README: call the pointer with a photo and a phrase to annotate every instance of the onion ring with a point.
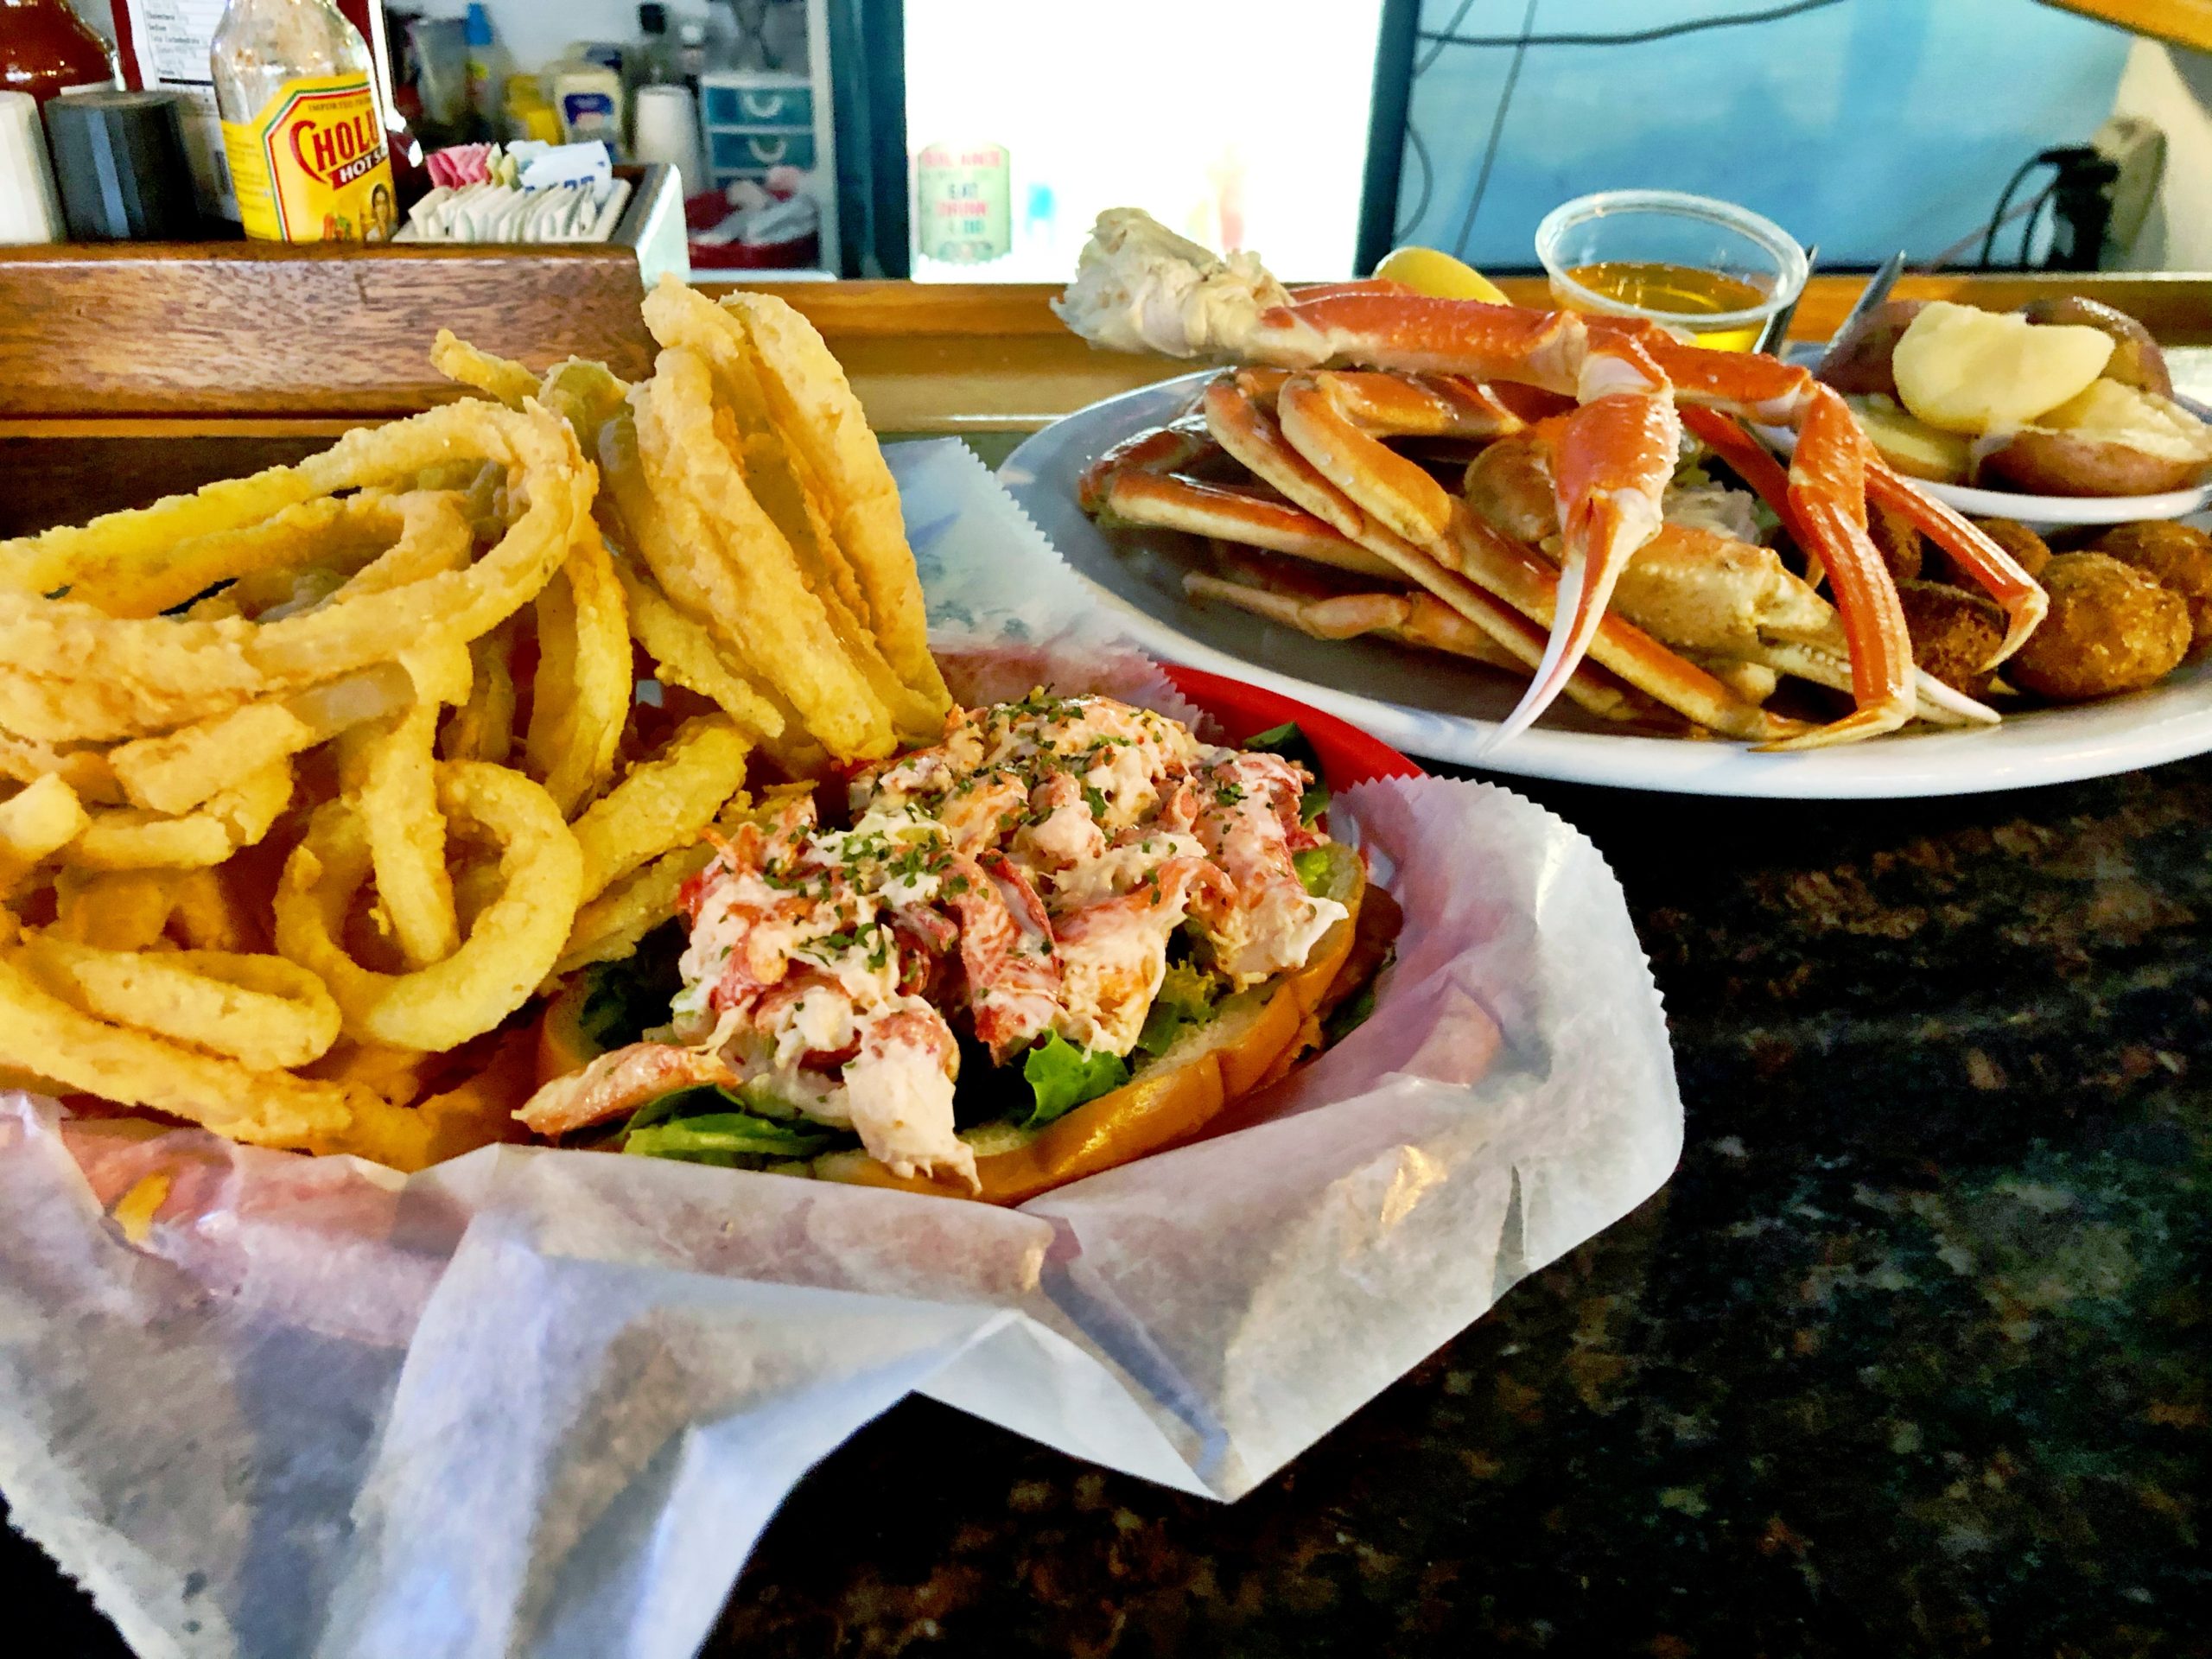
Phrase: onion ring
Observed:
(262, 1011)
(815, 467)
(684, 654)
(101, 563)
(131, 838)
(176, 773)
(116, 909)
(580, 701)
(500, 378)
(724, 564)
(42, 819)
(608, 928)
(663, 802)
(506, 953)
(484, 727)
(86, 770)
(272, 1108)
(158, 673)
(398, 800)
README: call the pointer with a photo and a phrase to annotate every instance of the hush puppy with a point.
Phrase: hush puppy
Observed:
(2177, 556)
(2111, 629)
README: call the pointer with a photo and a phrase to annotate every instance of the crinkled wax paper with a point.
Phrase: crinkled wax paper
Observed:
(542, 1402)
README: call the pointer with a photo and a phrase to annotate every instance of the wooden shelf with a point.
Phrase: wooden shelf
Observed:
(129, 371)
(2183, 22)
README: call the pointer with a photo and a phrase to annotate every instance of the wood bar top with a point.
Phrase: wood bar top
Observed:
(102, 331)
(127, 372)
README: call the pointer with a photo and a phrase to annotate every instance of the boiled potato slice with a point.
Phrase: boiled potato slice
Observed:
(1912, 447)
(2109, 440)
(1977, 372)
(2135, 360)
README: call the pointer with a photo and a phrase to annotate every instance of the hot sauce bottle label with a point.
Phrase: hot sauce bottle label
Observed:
(312, 167)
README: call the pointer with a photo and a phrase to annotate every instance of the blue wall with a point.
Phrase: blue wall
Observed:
(1867, 126)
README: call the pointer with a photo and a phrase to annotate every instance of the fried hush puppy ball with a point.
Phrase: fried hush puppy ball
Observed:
(2177, 556)
(1953, 633)
(2111, 629)
(1896, 539)
(2028, 550)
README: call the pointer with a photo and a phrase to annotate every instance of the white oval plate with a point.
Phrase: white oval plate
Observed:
(2038, 512)
(1447, 710)
(2048, 512)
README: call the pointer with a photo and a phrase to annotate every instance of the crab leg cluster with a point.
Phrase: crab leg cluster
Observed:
(1630, 612)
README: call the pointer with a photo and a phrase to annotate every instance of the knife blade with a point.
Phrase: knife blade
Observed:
(1873, 294)
(1775, 330)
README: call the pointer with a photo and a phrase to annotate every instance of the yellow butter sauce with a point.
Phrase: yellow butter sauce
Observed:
(1679, 295)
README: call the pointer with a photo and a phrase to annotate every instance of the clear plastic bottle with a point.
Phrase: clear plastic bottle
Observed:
(489, 66)
(301, 131)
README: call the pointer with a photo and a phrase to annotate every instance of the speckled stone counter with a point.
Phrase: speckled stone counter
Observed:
(1910, 1357)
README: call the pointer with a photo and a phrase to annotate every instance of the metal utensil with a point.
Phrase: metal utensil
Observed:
(1775, 329)
(1873, 294)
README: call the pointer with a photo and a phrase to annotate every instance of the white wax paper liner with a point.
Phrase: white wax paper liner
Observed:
(542, 1402)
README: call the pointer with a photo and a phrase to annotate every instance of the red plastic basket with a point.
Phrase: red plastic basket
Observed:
(1347, 755)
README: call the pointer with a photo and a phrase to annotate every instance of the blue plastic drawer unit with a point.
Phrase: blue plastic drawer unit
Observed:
(748, 150)
(760, 107)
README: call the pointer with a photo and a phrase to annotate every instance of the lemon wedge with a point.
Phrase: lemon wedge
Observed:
(1438, 276)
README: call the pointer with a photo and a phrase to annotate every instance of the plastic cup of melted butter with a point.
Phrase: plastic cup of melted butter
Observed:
(1703, 268)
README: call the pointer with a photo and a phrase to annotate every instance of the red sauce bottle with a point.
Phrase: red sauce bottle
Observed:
(46, 48)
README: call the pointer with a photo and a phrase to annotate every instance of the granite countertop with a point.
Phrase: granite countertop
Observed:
(1910, 1357)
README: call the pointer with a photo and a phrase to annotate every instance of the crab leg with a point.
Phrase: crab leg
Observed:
(1251, 433)
(1828, 489)
(1169, 501)
(1614, 458)
(1999, 573)
(1346, 616)
(1420, 515)
(1163, 449)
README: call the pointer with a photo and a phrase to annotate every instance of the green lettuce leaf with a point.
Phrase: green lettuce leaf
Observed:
(1063, 1076)
(708, 1125)
(1312, 867)
(1293, 744)
(1186, 998)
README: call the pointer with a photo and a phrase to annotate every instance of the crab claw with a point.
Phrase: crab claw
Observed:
(1614, 457)
(1828, 476)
